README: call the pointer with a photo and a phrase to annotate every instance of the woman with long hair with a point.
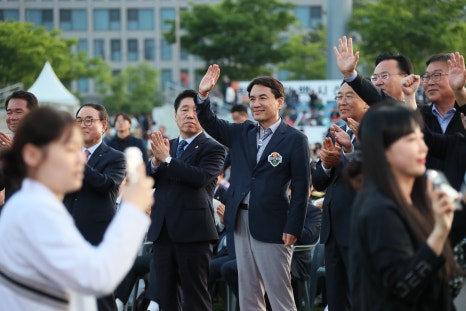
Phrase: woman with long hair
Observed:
(400, 258)
(45, 263)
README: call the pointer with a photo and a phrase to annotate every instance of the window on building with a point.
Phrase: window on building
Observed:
(83, 85)
(73, 20)
(99, 48)
(166, 50)
(115, 50)
(40, 18)
(82, 45)
(107, 19)
(183, 54)
(9, 15)
(132, 50)
(167, 16)
(309, 16)
(140, 19)
(149, 49)
(167, 78)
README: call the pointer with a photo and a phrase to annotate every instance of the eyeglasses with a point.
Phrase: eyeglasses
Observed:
(87, 121)
(383, 76)
(348, 98)
(435, 77)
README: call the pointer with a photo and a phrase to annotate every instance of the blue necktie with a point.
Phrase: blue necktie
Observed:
(180, 149)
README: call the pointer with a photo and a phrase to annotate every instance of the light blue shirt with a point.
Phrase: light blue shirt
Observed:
(443, 120)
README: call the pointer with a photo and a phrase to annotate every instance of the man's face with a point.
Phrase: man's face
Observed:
(350, 105)
(92, 133)
(390, 83)
(239, 117)
(17, 109)
(186, 118)
(438, 91)
(264, 106)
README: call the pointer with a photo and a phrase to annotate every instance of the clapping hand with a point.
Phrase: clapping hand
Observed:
(160, 147)
(330, 154)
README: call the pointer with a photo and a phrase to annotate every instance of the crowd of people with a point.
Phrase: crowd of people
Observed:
(233, 200)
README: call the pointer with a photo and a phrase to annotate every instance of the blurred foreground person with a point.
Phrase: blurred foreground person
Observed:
(45, 263)
(400, 257)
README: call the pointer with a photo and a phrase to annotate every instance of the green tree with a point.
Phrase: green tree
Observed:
(133, 90)
(242, 36)
(306, 58)
(24, 49)
(414, 28)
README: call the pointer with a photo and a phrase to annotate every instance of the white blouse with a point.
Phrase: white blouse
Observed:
(41, 248)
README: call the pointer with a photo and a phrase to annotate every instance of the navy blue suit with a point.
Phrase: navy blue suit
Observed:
(93, 206)
(271, 212)
(335, 230)
(183, 227)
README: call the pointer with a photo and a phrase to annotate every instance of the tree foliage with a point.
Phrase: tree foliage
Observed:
(133, 90)
(24, 49)
(414, 28)
(306, 55)
(242, 36)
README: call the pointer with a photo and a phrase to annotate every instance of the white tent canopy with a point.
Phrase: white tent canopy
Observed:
(51, 92)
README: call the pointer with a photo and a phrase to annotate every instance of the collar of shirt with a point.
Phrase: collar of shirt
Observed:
(273, 127)
(448, 115)
(188, 140)
(93, 148)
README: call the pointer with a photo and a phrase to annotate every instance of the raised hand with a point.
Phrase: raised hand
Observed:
(346, 60)
(209, 80)
(409, 86)
(456, 71)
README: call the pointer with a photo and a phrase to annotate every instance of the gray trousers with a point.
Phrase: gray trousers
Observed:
(262, 267)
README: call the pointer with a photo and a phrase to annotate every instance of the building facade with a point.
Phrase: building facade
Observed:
(127, 32)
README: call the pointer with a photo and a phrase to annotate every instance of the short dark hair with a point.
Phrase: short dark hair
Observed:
(275, 86)
(404, 64)
(239, 108)
(183, 95)
(40, 127)
(31, 99)
(442, 57)
(124, 116)
(103, 115)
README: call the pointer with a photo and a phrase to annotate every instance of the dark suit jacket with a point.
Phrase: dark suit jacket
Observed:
(339, 196)
(93, 207)
(130, 141)
(184, 192)
(446, 163)
(271, 212)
